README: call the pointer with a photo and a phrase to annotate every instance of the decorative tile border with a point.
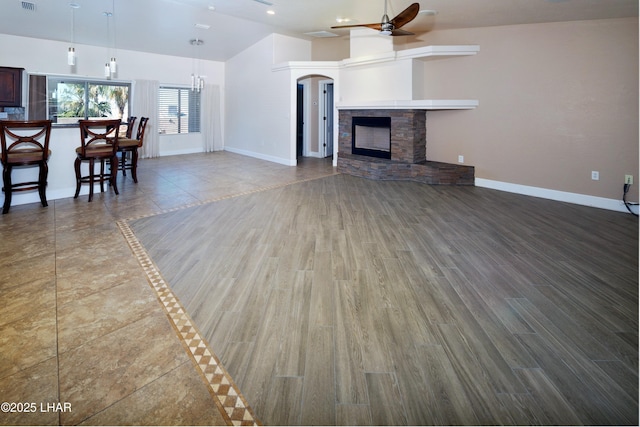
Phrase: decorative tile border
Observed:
(225, 392)
(227, 395)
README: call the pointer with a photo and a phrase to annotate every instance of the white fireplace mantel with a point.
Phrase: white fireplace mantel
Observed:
(424, 53)
(420, 104)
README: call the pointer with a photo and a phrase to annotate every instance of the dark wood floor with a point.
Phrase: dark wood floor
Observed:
(341, 300)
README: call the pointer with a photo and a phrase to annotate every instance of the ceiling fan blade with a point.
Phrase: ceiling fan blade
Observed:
(399, 32)
(373, 26)
(406, 16)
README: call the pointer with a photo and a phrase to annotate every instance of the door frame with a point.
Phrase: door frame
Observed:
(305, 83)
(325, 126)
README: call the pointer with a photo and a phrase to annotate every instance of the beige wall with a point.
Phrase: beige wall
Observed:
(330, 48)
(557, 101)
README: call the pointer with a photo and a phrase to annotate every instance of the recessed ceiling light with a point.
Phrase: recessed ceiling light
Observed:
(343, 20)
(271, 12)
(202, 26)
(429, 12)
(74, 5)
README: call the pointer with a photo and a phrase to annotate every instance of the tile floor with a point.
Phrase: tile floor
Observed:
(90, 333)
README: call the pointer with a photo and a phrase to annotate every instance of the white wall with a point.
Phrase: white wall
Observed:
(387, 81)
(260, 102)
(45, 56)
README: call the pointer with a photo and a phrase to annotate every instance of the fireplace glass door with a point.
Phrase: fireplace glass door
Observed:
(371, 136)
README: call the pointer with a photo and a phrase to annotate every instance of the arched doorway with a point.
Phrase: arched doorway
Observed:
(315, 116)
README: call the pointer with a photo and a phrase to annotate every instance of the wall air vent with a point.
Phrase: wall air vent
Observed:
(27, 5)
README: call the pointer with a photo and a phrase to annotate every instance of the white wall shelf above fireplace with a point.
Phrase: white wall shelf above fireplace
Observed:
(438, 52)
(419, 104)
(423, 53)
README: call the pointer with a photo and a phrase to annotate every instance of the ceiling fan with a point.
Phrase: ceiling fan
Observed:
(391, 27)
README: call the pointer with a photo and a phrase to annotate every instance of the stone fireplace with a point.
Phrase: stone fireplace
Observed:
(406, 159)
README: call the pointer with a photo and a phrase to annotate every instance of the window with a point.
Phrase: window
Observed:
(178, 110)
(70, 100)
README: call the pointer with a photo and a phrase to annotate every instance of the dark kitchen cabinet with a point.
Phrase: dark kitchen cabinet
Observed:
(11, 87)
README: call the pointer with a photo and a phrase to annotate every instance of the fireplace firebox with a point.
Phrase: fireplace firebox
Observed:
(371, 136)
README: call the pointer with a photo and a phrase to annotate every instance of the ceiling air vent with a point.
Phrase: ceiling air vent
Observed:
(321, 34)
(27, 5)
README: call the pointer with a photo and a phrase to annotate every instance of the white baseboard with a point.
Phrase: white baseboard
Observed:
(561, 196)
(280, 160)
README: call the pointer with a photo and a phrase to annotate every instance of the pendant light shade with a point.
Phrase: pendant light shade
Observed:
(71, 56)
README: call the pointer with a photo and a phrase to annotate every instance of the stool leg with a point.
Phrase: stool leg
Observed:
(123, 163)
(102, 175)
(6, 178)
(76, 166)
(91, 167)
(114, 173)
(42, 183)
(134, 165)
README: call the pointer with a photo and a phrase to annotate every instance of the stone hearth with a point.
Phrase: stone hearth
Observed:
(408, 151)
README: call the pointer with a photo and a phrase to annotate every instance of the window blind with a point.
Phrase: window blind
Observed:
(178, 110)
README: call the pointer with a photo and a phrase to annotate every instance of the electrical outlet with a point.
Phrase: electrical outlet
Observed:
(595, 175)
(460, 159)
(628, 179)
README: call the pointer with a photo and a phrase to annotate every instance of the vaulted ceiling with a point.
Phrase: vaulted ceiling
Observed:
(229, 26)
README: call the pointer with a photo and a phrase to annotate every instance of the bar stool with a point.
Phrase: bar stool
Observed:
(128, 145)
(24, 144)
(99, 141)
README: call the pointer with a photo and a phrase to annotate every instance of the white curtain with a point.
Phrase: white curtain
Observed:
(211, 122)
(145, 104)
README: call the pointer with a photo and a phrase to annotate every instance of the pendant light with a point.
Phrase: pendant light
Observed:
(197, 81)
(111, 66)
(71, 53)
